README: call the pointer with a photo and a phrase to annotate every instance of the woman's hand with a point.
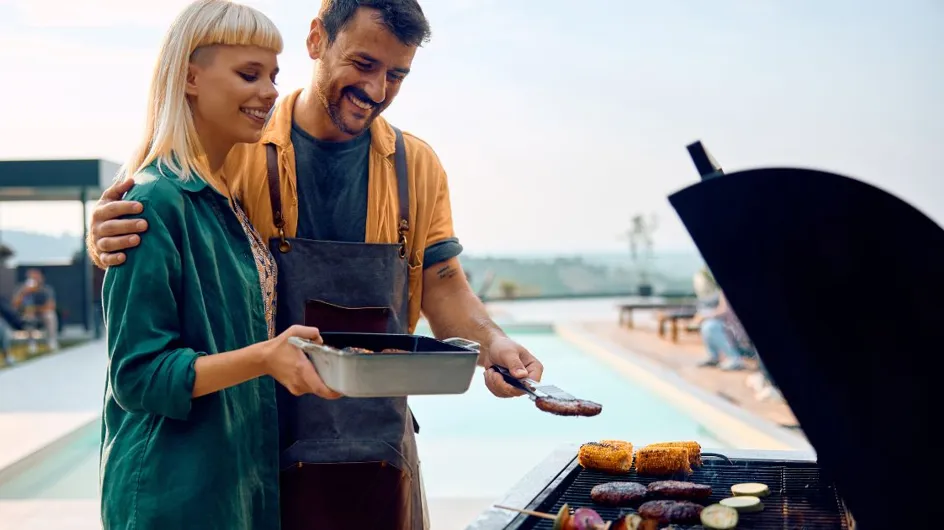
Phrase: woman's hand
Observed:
(291, 367)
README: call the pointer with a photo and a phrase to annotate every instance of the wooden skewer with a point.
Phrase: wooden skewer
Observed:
(604, 526)
(528, 512)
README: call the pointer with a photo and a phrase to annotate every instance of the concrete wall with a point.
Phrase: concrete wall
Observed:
(7, 282)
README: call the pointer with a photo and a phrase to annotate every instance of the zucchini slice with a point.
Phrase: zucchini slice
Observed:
(755, 489)
(719, 517)
(744, 503)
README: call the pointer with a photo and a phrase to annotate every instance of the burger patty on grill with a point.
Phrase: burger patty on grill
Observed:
(618, 493)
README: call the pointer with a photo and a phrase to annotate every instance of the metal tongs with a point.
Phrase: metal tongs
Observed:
(532, 388)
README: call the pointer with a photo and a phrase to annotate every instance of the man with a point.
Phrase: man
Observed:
(36, 302)
(360, 223)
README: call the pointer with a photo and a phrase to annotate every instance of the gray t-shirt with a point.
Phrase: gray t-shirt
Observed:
(332, 192)
(39, 297)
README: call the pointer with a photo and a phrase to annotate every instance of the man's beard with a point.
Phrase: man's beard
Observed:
(336, 114)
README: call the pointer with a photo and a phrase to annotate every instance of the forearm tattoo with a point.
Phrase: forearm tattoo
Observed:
(446, 272)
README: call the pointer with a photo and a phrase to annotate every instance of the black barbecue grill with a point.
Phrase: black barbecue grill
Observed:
(800, 497)
(840, 286)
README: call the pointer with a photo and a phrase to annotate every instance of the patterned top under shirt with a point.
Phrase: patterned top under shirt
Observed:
(265, 263)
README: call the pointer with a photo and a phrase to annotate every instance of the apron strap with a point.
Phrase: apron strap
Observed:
(275, 195)
(403, 190)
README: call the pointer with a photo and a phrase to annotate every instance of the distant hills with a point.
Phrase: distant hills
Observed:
(589, 274)
(31, 248)
(586, 274)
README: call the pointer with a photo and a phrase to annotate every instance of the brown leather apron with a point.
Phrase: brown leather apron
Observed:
(349, 463)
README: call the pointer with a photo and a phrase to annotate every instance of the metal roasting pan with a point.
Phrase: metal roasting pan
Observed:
(431, 366)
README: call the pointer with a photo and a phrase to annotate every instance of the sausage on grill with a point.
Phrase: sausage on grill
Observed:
(568, 407)
(393, 350)
(675, 489)
(666, 512)
(618, 493)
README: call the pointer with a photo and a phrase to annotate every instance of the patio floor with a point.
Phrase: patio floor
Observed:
(683, 358)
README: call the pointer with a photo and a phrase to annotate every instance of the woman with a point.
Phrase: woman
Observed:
(724, 335)
(190, 428)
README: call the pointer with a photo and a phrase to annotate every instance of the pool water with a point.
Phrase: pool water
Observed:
(471, 445)
(477, 445)
(70, 472)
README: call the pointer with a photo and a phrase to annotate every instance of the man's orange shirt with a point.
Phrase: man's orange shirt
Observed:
(430, 209)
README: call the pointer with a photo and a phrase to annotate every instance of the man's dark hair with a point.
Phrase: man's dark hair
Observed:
(404, 18)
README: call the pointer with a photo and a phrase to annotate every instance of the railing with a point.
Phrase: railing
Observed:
(666, 296)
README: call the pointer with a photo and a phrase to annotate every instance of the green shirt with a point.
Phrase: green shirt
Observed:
(190, 288)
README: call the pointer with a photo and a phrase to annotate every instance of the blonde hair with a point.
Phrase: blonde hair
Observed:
(170, 136)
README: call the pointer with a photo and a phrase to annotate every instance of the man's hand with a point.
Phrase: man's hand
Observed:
(519, 361)
(453, 310)
(109, 235)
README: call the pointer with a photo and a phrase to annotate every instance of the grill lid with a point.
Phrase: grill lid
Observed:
(841, 287)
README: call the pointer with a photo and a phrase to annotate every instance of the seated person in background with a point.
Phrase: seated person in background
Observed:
(724, 336)
(709, 298)
(36, 301)
(706, 289)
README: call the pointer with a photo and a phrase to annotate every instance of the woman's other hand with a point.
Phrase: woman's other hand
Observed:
(292, 368)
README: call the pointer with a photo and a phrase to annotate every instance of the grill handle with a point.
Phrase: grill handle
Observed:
(706, 165)
(719, 456)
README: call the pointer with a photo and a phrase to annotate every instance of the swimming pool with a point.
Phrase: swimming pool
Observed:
(471, 445)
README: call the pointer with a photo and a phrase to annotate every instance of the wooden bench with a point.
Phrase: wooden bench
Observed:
(673, 318)
(626, 310)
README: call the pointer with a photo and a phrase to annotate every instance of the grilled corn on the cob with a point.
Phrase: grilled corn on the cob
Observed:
(611, 456)
(628, 447)
(694, 450)
(662, 460)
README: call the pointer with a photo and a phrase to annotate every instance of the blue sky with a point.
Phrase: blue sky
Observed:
(556, 121)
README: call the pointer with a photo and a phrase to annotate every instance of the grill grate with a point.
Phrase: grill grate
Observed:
(800, 499)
